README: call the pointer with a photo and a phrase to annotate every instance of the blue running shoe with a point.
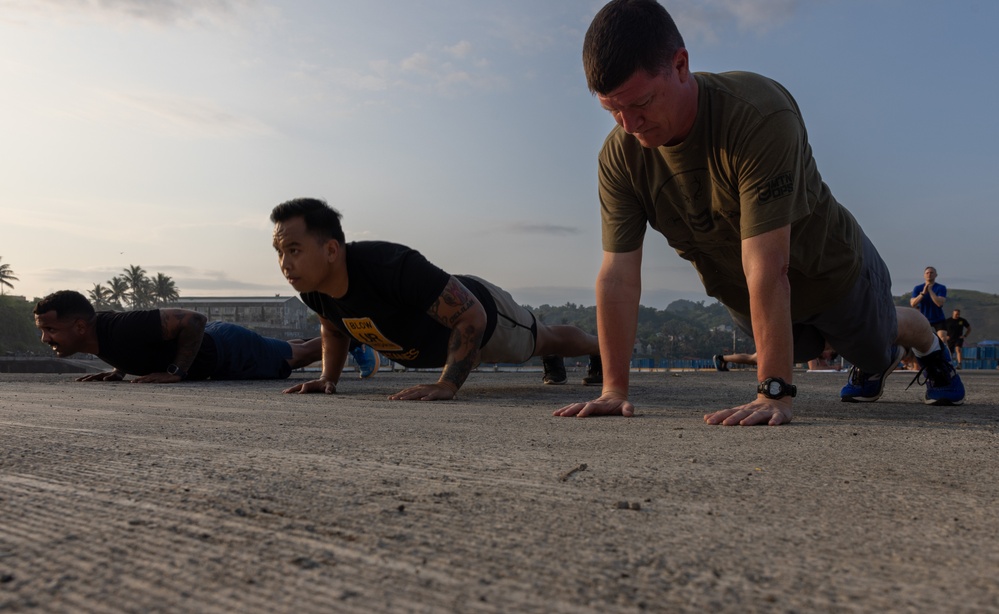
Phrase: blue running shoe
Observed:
(867, 387)
(943, 384)
(367, 360)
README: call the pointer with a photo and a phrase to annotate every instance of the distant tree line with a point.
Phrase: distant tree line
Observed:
(684, 330)
(134, 289)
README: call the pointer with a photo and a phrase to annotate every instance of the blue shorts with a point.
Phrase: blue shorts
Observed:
(244, 354)
(862, 326)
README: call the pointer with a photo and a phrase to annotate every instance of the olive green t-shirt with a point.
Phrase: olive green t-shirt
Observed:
(745, 168)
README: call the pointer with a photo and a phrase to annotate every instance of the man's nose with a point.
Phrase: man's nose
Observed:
(631, 121)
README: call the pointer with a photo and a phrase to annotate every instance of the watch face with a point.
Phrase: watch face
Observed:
(774, 388)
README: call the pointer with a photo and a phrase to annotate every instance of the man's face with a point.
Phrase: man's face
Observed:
(654, 108)
(65, 336)
(956, 314)
(930, 275)
(303, 259)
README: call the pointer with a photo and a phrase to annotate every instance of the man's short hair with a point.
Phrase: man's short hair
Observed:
(321, 220)
(627, 35)
(66, 304)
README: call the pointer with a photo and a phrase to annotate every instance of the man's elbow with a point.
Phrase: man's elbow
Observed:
(200, 320)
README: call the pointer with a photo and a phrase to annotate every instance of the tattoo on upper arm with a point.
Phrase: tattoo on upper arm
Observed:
(454, 301)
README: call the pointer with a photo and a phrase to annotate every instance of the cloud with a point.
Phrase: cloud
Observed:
(460, 50)
(540, 229)
(158, 12)
(191, 281)
(198, 118)
(707, 19)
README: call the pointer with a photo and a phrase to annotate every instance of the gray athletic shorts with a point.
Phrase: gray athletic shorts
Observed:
(245, 354)
(516, 331)
(862, 326)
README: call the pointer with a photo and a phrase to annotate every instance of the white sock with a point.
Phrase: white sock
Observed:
(936, 346)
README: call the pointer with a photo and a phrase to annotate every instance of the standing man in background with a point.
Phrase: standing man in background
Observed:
(929, 297)
(957, 329)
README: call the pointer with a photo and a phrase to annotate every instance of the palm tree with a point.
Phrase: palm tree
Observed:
(6, 276)
(118, 288)
(142, 297)
(100, 296)
(135, 277)
(164, 289)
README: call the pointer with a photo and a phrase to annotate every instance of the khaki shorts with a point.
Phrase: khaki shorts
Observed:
(516, 332)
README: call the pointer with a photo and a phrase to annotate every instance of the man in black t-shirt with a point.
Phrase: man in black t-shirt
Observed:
(957, 329)
(391, 298)
(165, 345)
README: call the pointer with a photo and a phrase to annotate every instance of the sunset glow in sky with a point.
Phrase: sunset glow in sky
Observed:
(161, 133)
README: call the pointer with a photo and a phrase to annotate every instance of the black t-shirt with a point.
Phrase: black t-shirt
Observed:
(955, 327)
(390, 287)
(132, 341)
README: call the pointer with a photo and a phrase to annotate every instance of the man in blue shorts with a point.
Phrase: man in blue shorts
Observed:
(164, 346)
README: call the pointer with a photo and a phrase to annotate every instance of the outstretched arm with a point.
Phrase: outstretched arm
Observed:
(458, 309)
(188, 328)
(765, 260)
(335, 346)
(619, 289)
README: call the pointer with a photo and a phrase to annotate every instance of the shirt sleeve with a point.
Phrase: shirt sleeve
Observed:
(623, 216)
(421, 282)
(772, 177)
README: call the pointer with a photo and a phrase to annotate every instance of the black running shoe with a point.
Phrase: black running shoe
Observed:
(594, 372)
(720, 364)
(554, 369)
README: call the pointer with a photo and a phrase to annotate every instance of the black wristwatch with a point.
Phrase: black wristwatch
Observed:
(776, 388)
(175, 370)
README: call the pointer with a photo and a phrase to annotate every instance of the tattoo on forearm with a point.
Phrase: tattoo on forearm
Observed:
(464, 347)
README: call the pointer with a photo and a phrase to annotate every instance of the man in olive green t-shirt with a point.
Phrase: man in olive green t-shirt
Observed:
(720, 164)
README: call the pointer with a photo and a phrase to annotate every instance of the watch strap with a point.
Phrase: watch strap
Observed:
(786, 390)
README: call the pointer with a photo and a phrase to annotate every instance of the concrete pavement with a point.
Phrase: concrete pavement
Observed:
(231, 497)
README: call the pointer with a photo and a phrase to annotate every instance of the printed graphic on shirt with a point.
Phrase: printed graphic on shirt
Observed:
(365, 331)
(400, 356)
(779, 186)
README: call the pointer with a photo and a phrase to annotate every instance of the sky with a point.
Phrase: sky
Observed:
(161, 133)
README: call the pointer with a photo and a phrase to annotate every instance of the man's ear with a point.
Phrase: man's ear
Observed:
(333, 249)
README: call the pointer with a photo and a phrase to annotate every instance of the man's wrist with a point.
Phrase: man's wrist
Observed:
(173, 369)
(776, 388)
(449, 385)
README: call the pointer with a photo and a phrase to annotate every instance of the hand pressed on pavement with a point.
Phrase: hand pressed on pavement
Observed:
(317, 385)
(426, 392)
(609, 404)
(760, 411)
